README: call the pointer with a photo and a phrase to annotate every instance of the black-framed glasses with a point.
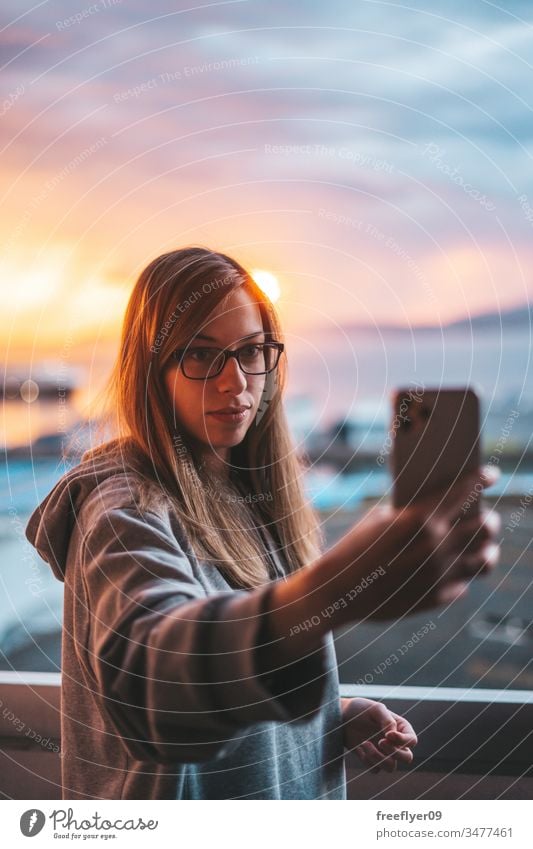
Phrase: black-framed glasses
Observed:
(205, 363)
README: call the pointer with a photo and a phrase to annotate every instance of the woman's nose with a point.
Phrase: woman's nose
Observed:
(231, 375)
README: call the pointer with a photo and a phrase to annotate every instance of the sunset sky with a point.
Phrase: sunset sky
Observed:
(377, 159)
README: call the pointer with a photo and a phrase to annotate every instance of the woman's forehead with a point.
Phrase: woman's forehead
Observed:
(238, 316)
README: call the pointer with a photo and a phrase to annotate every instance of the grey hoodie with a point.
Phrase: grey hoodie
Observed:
(164, 694)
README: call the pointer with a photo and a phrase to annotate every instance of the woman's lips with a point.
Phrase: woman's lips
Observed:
(230, 418)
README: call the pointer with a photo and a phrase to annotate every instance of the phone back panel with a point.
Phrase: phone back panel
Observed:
(435, 440)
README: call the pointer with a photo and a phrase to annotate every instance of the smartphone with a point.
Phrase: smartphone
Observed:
(435, 440)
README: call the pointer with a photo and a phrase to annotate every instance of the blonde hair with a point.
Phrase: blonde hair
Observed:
(265, 481)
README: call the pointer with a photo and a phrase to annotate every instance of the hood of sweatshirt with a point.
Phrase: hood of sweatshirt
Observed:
(51, 524)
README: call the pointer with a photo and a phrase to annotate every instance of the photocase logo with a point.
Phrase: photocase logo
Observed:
(31, 822)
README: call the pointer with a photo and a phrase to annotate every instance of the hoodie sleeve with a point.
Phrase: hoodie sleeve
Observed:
(180, 673)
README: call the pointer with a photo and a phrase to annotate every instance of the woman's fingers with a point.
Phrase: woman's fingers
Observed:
(367, 758)
(386, 756)
(389, 747)
(481, 562)
(403, 735)
(486, 477)
(470, 534)
(466, 566)
(470, 548)
(449, 592)
(368, 754)
(461, 569)
(489, 475)
(400, 754)
(428, 556)
(376, 759)
(447, 504)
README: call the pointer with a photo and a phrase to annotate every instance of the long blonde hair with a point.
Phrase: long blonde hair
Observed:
(265, 481)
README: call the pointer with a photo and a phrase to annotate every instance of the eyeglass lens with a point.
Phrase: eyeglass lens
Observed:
(205, 362)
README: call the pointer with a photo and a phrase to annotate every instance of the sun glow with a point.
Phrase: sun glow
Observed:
(268, 283)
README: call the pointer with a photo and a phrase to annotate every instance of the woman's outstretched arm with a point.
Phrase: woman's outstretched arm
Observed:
(390, 564)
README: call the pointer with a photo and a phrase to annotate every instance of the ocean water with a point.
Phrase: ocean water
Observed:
(344, 372)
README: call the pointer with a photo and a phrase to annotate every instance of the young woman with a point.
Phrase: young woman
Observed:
(197, 655)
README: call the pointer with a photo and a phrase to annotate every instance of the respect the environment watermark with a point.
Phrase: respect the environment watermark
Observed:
(187, 72)
(387, 241)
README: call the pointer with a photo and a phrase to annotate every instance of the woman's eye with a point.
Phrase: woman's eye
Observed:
(199, 353)
(252, 350)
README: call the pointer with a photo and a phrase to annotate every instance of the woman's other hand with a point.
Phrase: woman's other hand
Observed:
(380, 738)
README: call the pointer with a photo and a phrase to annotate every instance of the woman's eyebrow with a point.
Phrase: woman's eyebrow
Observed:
(212, 339)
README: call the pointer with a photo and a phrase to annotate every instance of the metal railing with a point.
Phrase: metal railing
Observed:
(471, 741)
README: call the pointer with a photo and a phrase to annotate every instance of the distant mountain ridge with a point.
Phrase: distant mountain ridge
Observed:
(518, 317)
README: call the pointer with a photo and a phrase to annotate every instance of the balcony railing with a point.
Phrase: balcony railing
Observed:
(475, 744)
